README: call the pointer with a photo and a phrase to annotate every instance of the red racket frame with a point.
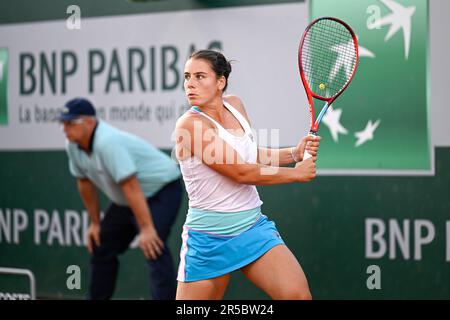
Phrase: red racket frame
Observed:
(315, 126)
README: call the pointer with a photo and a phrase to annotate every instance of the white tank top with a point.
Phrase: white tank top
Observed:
(208, 189)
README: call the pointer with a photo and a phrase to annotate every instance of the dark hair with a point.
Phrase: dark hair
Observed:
(220, 65)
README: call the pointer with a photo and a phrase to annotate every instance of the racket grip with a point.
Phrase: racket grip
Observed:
(306, 154)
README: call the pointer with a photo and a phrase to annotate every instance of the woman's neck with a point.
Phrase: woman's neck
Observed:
(214, 108)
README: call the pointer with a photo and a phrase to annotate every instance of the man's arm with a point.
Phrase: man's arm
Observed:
(89, 195)
(149, 241)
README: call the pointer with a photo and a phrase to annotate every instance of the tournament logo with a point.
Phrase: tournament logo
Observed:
(380, 123)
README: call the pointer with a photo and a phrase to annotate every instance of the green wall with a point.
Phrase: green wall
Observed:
(28, 11)
(322, 222)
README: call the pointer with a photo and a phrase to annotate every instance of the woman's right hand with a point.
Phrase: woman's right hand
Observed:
(306, 170)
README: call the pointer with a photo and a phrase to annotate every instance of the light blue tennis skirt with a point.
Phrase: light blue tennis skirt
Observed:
(206, 255)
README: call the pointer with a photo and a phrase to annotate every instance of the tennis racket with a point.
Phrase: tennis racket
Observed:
(327, 60)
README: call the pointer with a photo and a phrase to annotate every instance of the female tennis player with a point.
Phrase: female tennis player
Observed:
(225, 229)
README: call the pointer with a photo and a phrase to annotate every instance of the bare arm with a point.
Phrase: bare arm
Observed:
(278, 157)
(259, 174)
(136, 201)
(285, 156)
(89, 196)
(149, 241)
(196, 135)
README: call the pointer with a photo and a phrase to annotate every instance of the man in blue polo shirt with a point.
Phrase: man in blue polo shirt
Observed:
(144, 187)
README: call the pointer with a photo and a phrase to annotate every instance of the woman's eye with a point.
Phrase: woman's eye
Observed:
(186, 77)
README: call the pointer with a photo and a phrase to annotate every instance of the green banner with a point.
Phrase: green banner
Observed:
(345, 225)
(3, 86)
(12, 11)
(379, 124)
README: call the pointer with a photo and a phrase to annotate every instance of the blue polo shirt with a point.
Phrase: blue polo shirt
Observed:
(117, 155)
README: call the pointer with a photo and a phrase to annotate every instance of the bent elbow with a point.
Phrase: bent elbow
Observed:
(239, 178)
(241, 173)
(243, 177)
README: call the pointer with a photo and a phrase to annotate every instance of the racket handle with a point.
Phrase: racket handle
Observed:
(306, 154)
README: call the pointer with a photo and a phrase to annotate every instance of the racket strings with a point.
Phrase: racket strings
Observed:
(328, 57)
(322, 63)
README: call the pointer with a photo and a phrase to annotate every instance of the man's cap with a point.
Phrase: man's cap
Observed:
(76, 108)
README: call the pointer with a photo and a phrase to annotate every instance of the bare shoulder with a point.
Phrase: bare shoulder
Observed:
(187, 120)
(236, 102)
